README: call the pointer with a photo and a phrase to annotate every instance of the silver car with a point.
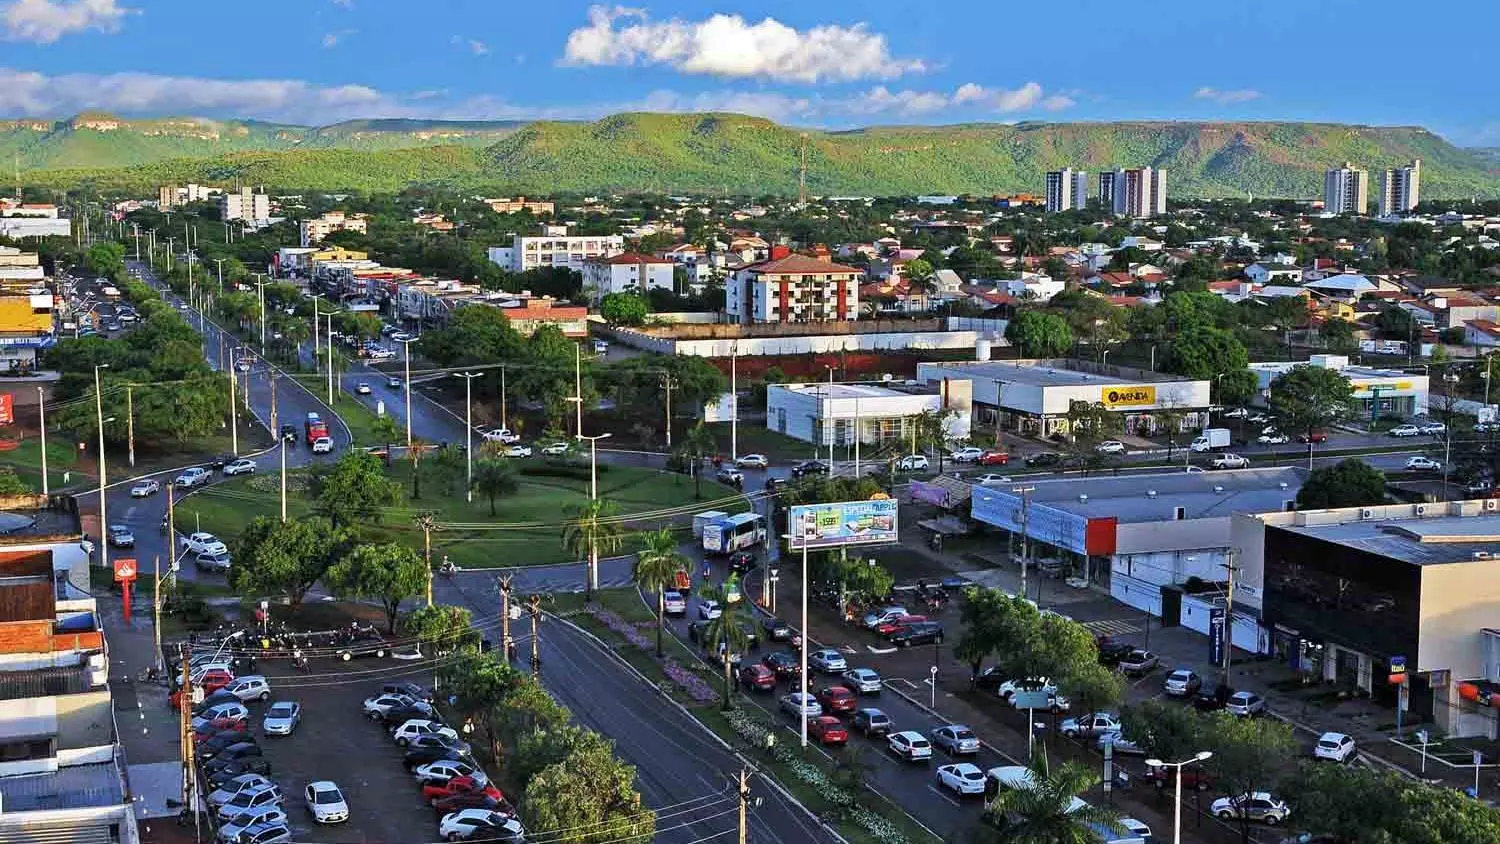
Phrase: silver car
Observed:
(236, 826)
(282, 718)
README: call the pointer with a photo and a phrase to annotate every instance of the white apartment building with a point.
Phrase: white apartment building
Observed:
(313, 231)
(1067, 189)
(1346, 190)
(244, 204)
(554, 247)
(1140, 192)
(793, 288)
(627, 272)
(1401, 188)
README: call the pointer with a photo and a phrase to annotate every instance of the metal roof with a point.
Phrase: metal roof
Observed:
(1202, 495)
(73, 787)
(1430, 541)
(1048, 373)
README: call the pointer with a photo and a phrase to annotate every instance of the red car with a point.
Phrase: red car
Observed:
(459, 785)
(994, 457)
(215, 679)
(889, 627)
(468, 800)
(837, 699)
(827, 730)
(1316, 435)
(758, 676)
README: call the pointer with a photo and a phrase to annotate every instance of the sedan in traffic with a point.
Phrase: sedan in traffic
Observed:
(282, 718)
(325, 802)
(752, 461)
(1423, 464)
(145, 488)
(956, 740)
(828, 661)
(963, 778)
(866, 681)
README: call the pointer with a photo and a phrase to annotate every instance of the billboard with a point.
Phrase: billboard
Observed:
(7, 409)
(845, 523)
(1217, 629)
(1049, 524)
(1131, 396)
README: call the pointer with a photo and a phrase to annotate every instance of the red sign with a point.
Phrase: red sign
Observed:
(124, 569)
(7, 409)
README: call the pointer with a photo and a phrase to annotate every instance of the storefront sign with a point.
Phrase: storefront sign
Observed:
(1216, 631)
(1133, 396)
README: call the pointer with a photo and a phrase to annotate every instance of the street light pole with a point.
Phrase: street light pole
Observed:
(41, 408)
(468, 429)
(734, 398)
(1200, 756)
(103, 481)
(234, 422)
(593, 462)
(407, 343)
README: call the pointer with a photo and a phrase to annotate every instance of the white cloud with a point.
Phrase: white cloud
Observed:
(730, 46)
(45, 21)
(1240, 95)
(478, 48)
(347, 4)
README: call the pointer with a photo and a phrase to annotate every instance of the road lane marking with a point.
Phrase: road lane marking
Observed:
(932, 787)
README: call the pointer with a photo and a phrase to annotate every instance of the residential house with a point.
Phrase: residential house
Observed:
(1454, 310)
(627, 272)
(1482, 333)
(894, 295)
(1266, 272)
(1346, 286)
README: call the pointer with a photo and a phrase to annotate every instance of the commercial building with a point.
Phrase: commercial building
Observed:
(26, 328)
(1139, 192)
(1067, 189)
(1107, 192)
(554, 247)
(1346, 190)
(835, 414)
(793, 288)
(173, 196)
(1354, 592)
(244, 204)
(1401, 189)
(313, 231)
(627, 272)
(1034, 397)
(537, 207)
(1378, 393)
(18, 228)
(18, 266)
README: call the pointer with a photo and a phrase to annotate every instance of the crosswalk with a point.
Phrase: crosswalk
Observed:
(1111, 627)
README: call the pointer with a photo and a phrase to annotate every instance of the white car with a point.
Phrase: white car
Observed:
(145, 488)
(421, 727)
(500, 435)
(863, 680)
(913, 463)
(249, 687)
(798, 703)
(992, 479)
(242, 466)
(1119, 743)
(828, 661)
(1260, 806)
(709, 610)
(281, 718)
(1335, 746)
(363, 389)
(1273, 438)
(243, 365)
(204, 543)
(1423, 464)
(674, 603)
(1433, 428)
(1110, 447)
(554, 449)
(963, 778)
(442, 770)
(1096, 724)
(268, 815)
(322, 445)
(1235, 413)
(910, 744)
(1245, 704)
(196, 476)
(518, 451)
(325, 802)
(481, 825)
(1406, 431)
(1230, 461)
(967, 454)
(752, 461)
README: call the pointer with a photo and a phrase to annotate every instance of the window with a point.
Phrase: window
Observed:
(1179, 513)
(19, 750)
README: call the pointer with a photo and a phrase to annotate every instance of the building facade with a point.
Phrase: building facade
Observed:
(1066, 189)
(1401, 189)
(1140, 192)
(555, 248)
(313, 231)
(244, 204)
(1378, 393)
(627, 272)
(537, 207)
(1108, 179)
(793, 288)
(1346, 190)
(836, 414)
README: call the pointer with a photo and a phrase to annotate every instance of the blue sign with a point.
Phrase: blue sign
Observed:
(1216, 634)
(1398, 664)
(844, 523)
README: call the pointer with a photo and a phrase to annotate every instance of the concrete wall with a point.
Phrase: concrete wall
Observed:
(84, 720)
(791, 344)
(1458, 600)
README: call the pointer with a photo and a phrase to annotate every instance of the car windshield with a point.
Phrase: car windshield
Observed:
(963, 734)
(1179, 675)
(330, 796)
(280, 711)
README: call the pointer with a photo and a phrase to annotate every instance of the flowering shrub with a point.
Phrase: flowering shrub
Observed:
(691, 683)
(632, 634)
(883, 830)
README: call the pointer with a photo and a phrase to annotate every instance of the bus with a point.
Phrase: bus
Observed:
(734, 533)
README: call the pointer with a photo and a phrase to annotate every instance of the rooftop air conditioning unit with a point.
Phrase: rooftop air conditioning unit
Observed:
(1482, 555)
(1492, 505)
(1150, 493)
(1366, 512)
(1421, 509)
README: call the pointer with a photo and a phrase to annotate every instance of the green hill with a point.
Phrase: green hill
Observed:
(714, 152)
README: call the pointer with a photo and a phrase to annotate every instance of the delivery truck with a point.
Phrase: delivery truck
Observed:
(1211, 438)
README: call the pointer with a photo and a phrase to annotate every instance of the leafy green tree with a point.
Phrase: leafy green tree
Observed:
(656, 566)
(1203, 352)
(1045, 813)
(441, 629)
(988, 617)
(1360, 805)
(387, 572)
(591, 527)
(474, 335)
(1039, 334)
(495, 477)
(624, 309)
(541, 749)
(1397, 323)
(725, 635)
(479, 684)
(387, 430)
(1163, 730)
(105, 258)
(354, 490)
(1307, 397)
(592, 794)
(272, 557)
(548, 375)
(696, 444)
(1237, 387)
(1249, 755)
(11, 483)
(1338, 336)
(1350, 483)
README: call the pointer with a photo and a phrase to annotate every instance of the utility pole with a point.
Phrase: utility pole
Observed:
(103, 482)
(427, 522)
(329, 344)
(504, 416)
(578, 390)
(189, 773)
(734, 398)
(219, 262)
(666, 383)
(156, 658)
(281, 446)
(536, 654)
(172, 531)
(505, 587)
(1025, 493)
(744, 803)
(1233, 570)
(468, 430)
(234, 422)
(130, 421)
(407, 343)
(41, 409)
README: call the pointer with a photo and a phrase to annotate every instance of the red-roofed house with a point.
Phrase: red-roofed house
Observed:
(894, 295)
(626, 272)
(793, 288)
(1481, 332)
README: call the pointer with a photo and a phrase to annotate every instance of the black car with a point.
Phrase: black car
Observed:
(430, 748)
(1211, 696)
(399, 715)
(222, 460)
(1111, 651)
(919, 633)
(990, 679)
(411, 690)
(775, 485)
(211, 747)
(809, 467)
(247, 765)
(784, 663)
(778, 630)
(289, 433)
(237, 751)
(1044, 458)
(219, 696)
(742, 561)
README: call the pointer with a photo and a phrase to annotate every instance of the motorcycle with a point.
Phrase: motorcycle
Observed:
(448, 568)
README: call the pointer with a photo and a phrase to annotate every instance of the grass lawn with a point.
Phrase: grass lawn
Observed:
(26, 460)
(525, 530)
(755, 438)
(63, 457)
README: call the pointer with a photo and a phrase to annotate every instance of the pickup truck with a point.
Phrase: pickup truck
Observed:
(1230, 461)
(195, 476)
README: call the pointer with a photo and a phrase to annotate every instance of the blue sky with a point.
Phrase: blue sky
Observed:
(827, 63)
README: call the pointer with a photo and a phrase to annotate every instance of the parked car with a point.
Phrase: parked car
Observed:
(826, 729)
(230, 770)
(1119, 743)
(440, 771)
(777, 629)
(994, 457)
(232, 711)
(810, 467)
(991, 479)
(967, 454)
(518, 450)
(1229, 461)
(555, 449)
(242, 466)
(956, 739)
(1095, 724)
(202, 542)
(1423, 464)
(121, 536)
(1111, 651)
(962, 778)
(325, 802)
(1406, 431)
(798, 704)
(270, 814)
(1139, 662)
(784, 663)
(481, 825)
(910, 745)
(920, 633)
(837, 699)
(1044, 459)
(414, 727)
(376, 706)
(757, 677)
(432, 747)
(752, 461)
(1181, 683)
(459, 801)
(886, 628)
(281, 718)
(1335, 746)
(828, 661)
(267, 795)
(913, 463)
(266, 833)
(1235, 413)
(865, 681)
(1245, 704)
(1110, 447)
(674, 602)
(1211, 696)
(1259, 806)
(145, 488)
(237, 786)
(872, 722)
(212, 561)
(499, 435)
(877, 617)
(250, 687)
(1194, 777)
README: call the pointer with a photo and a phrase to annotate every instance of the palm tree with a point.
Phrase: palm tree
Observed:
(726, 634)
(656, 565)
(1045, 813)
(591, 526)
(697, 444)
(387, 431)
(414, 453)
(494, 478)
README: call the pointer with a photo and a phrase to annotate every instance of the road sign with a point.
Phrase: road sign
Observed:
(1038, 699)
(124, 569)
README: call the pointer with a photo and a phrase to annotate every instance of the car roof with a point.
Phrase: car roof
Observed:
(323, 785)
(1332, 736)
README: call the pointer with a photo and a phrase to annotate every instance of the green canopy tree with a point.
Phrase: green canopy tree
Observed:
(592, 794)
(1249, 755)
(440, 629)
(1039, 334)
(387, 430)
(1163, 730)
(105, 258)
(495, 477)
(656, 566)
(542, 748)
(624, 309)
(478, 685)
(272, 557)
(1203, 352)
(591, 527)
(725, 635)
(1306, 397)
(387, 572)
(354, 490)
(1045, 813)
(1350, 483)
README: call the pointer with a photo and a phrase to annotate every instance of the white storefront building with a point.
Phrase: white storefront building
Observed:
(830, 414)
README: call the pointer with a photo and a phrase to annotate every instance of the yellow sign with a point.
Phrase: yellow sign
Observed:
(1127, 396)
(1364, 387)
